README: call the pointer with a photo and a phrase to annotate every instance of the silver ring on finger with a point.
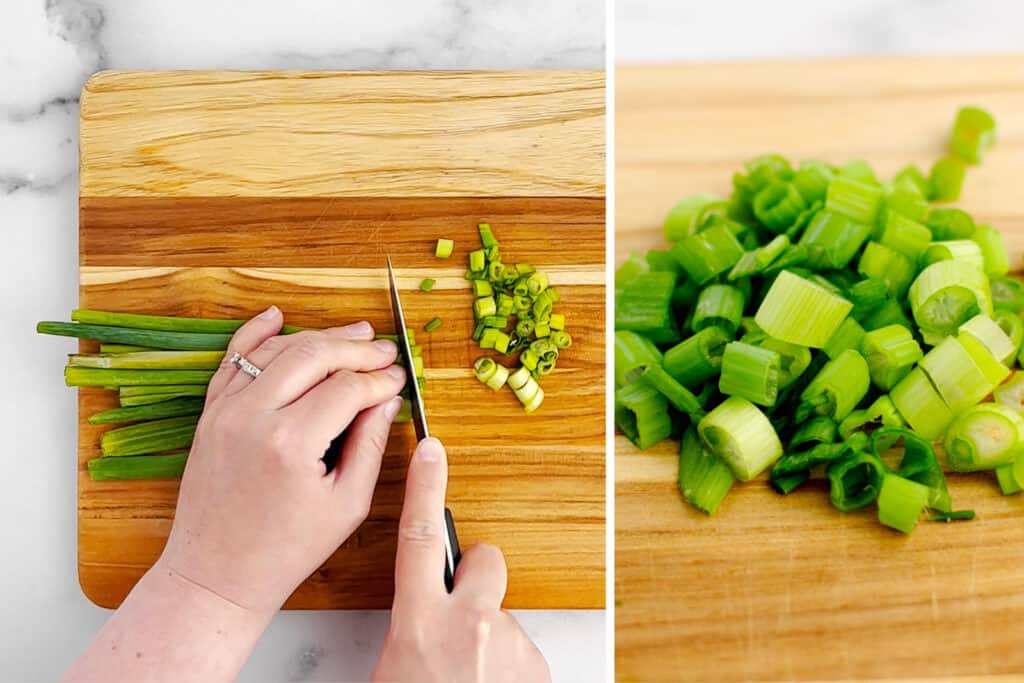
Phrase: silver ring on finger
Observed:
(243, 364)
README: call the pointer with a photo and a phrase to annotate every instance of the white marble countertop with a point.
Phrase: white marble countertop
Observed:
(47, 50)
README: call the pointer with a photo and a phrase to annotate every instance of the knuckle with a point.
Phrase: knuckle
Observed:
(310, 345)
(273, 345)
(419, 532)
(278, 440)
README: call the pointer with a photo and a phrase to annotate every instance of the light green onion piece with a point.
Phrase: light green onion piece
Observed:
(984, 437)
(920, 405)
(974, 131)
(177, 407)
(432, 325)
(880, 413)
(633, 351)
(719, 305)
(860, 201)
(683, 219)
(750, 372)
(986, 331)
(837, 388)
(850, 335)
(855, 480)
(1007, 294)
(1012, 326)
(170, 466)
(946, 179)
(799, 311)
(676, 393)
(967, 251)
(696, 359)
(739, 433)
(901, 502)
(891, 353)
(149, 437)
(645, 307)
(833, 239)
(947, 294)
(993, 251)
(1011, 393)
(756, 261)
(1009, 481)
(444, 248)
(960, 381)
(641, 413)
(704, 478)
(151, 360)
(778, 205)
(708, 253)
(904, 235)
(880, 262)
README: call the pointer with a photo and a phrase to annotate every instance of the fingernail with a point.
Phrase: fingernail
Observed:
(392, 407)
(270, 313)
(359, 329)
(396, 372)
(386, 345)
(430, 450)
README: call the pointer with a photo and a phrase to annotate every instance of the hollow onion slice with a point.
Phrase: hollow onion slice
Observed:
(799, 311)
(920, 405)
(984, 437)
(739, 433)
(948, 293)
(986, 331)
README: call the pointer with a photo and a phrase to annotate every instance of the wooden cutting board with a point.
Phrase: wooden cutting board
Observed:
(776, 588)
(219, 193)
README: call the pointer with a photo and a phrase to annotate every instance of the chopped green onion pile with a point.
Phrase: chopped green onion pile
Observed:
(513, 310)
(159, 366)
(818, 317)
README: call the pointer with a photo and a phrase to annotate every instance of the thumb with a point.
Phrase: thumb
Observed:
(419, 563)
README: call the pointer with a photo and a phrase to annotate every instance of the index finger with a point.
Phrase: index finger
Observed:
(419, 562)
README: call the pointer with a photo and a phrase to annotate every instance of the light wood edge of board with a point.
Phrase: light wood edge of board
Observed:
(366, 134)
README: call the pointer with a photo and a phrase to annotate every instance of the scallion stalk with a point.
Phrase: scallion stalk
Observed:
(739, 433)
(708, 253)
(100, 377)
(698, 358)
(177, 407)
(750, 372)
(641, 413)
(645, 307)
(901, 502)
(984, 437)
(704, 478)
(956, 374)
(149, 437)
(947, 294)
(170, 466)
(837, 389)
(855, 480)
(891, 353)
(987, 332)
(718, 305)
(920, 405)
(157, 339)
(150, 360)
(798, 311)
(974, 131)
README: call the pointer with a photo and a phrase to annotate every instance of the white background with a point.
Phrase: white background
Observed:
(47, 50)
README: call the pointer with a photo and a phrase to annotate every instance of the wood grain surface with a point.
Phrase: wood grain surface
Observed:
(191, 236)
(788, 588)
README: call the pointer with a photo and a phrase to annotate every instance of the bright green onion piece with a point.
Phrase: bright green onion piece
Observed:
(837, 388)
(833, 239)
(164, 323)
(1011, 393)
(906, 202)
(778, 205)
(756, 261)
(708, 253)
(956, 515)
(561, 339)
(880, 262)
(676, 393)
(880, 413)
(993, 250)
(904, 235)
(750, 372)
(812, 180)
(918, 463)
(992, 337)
(487, 238)
(793, 358)
(444, 248)
(557, 321)
(156, 339)
(891, 353)
(484, 306)
(816, 430)
(984, 437)
(799, 311)
(641, 413)
(170, 466)
(428, 284)
(860, 201)
(151, 360)
(102, 377)
(901, 502)
(967, 251)
(957, 377)
(993, 370)
(920, 405)
(974, 131)
(704, 478)
(948, 223)
(946, 179)
(719, 305)
(1007, 478)
(149, 437)
(661, 260)
(911, 178)
(1007, 294)
(855, 480)
(480, 288)
(683, 219)
(947, 294)
(645, 307)
(850, 335)
(432, 325)
(694, 360)
(477, 261)
(173, 408)
(889, 313)
(739, 433)
(1012, 326)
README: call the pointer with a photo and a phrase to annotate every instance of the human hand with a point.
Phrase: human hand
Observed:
(257, 511)
(436, 636)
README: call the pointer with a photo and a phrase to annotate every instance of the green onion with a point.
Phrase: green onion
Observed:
(967, 251)
(812, 180)
(1011, 393)
(428, 284)
(984, 437)
(834, 239)
(1012, 326)
(850, 335)
(750, 372)
(487, 238)
(997, 262)
(793, 358)
(904, 235)
(974, 131)
(990, 335)
(906, 202)
(97, 377)
(952, 516)
(480, 288)
(901, 502)
(880, 262)
(683, 219)
(798, 311)
(477, 261)
(494, 375)
(947, 294)
(678, 395)
(170, 466)
(920, 404)
(645, 307)
(709, 253)
(880, 413)
(704, 479)
(918, 463)
(855, 480)
(719, 305)
(837, 388)
(947, 223)
(756, 261)
(857, 200)
(1007, 294)
(740, 434)
(149, 437)
(444, 248)
(696, 359)
(778, 205)
(121, 348)
(891, 353)
(432, 325)
(946, 179)
(633, 351)
(151, 360)
(173, 408)
(957, 376)
(641, 413)
(158, 339)
(911, 178)
(145, 389)
(155, 322)
(151, 399)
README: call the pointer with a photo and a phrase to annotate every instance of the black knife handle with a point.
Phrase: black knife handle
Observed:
(452, 562)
